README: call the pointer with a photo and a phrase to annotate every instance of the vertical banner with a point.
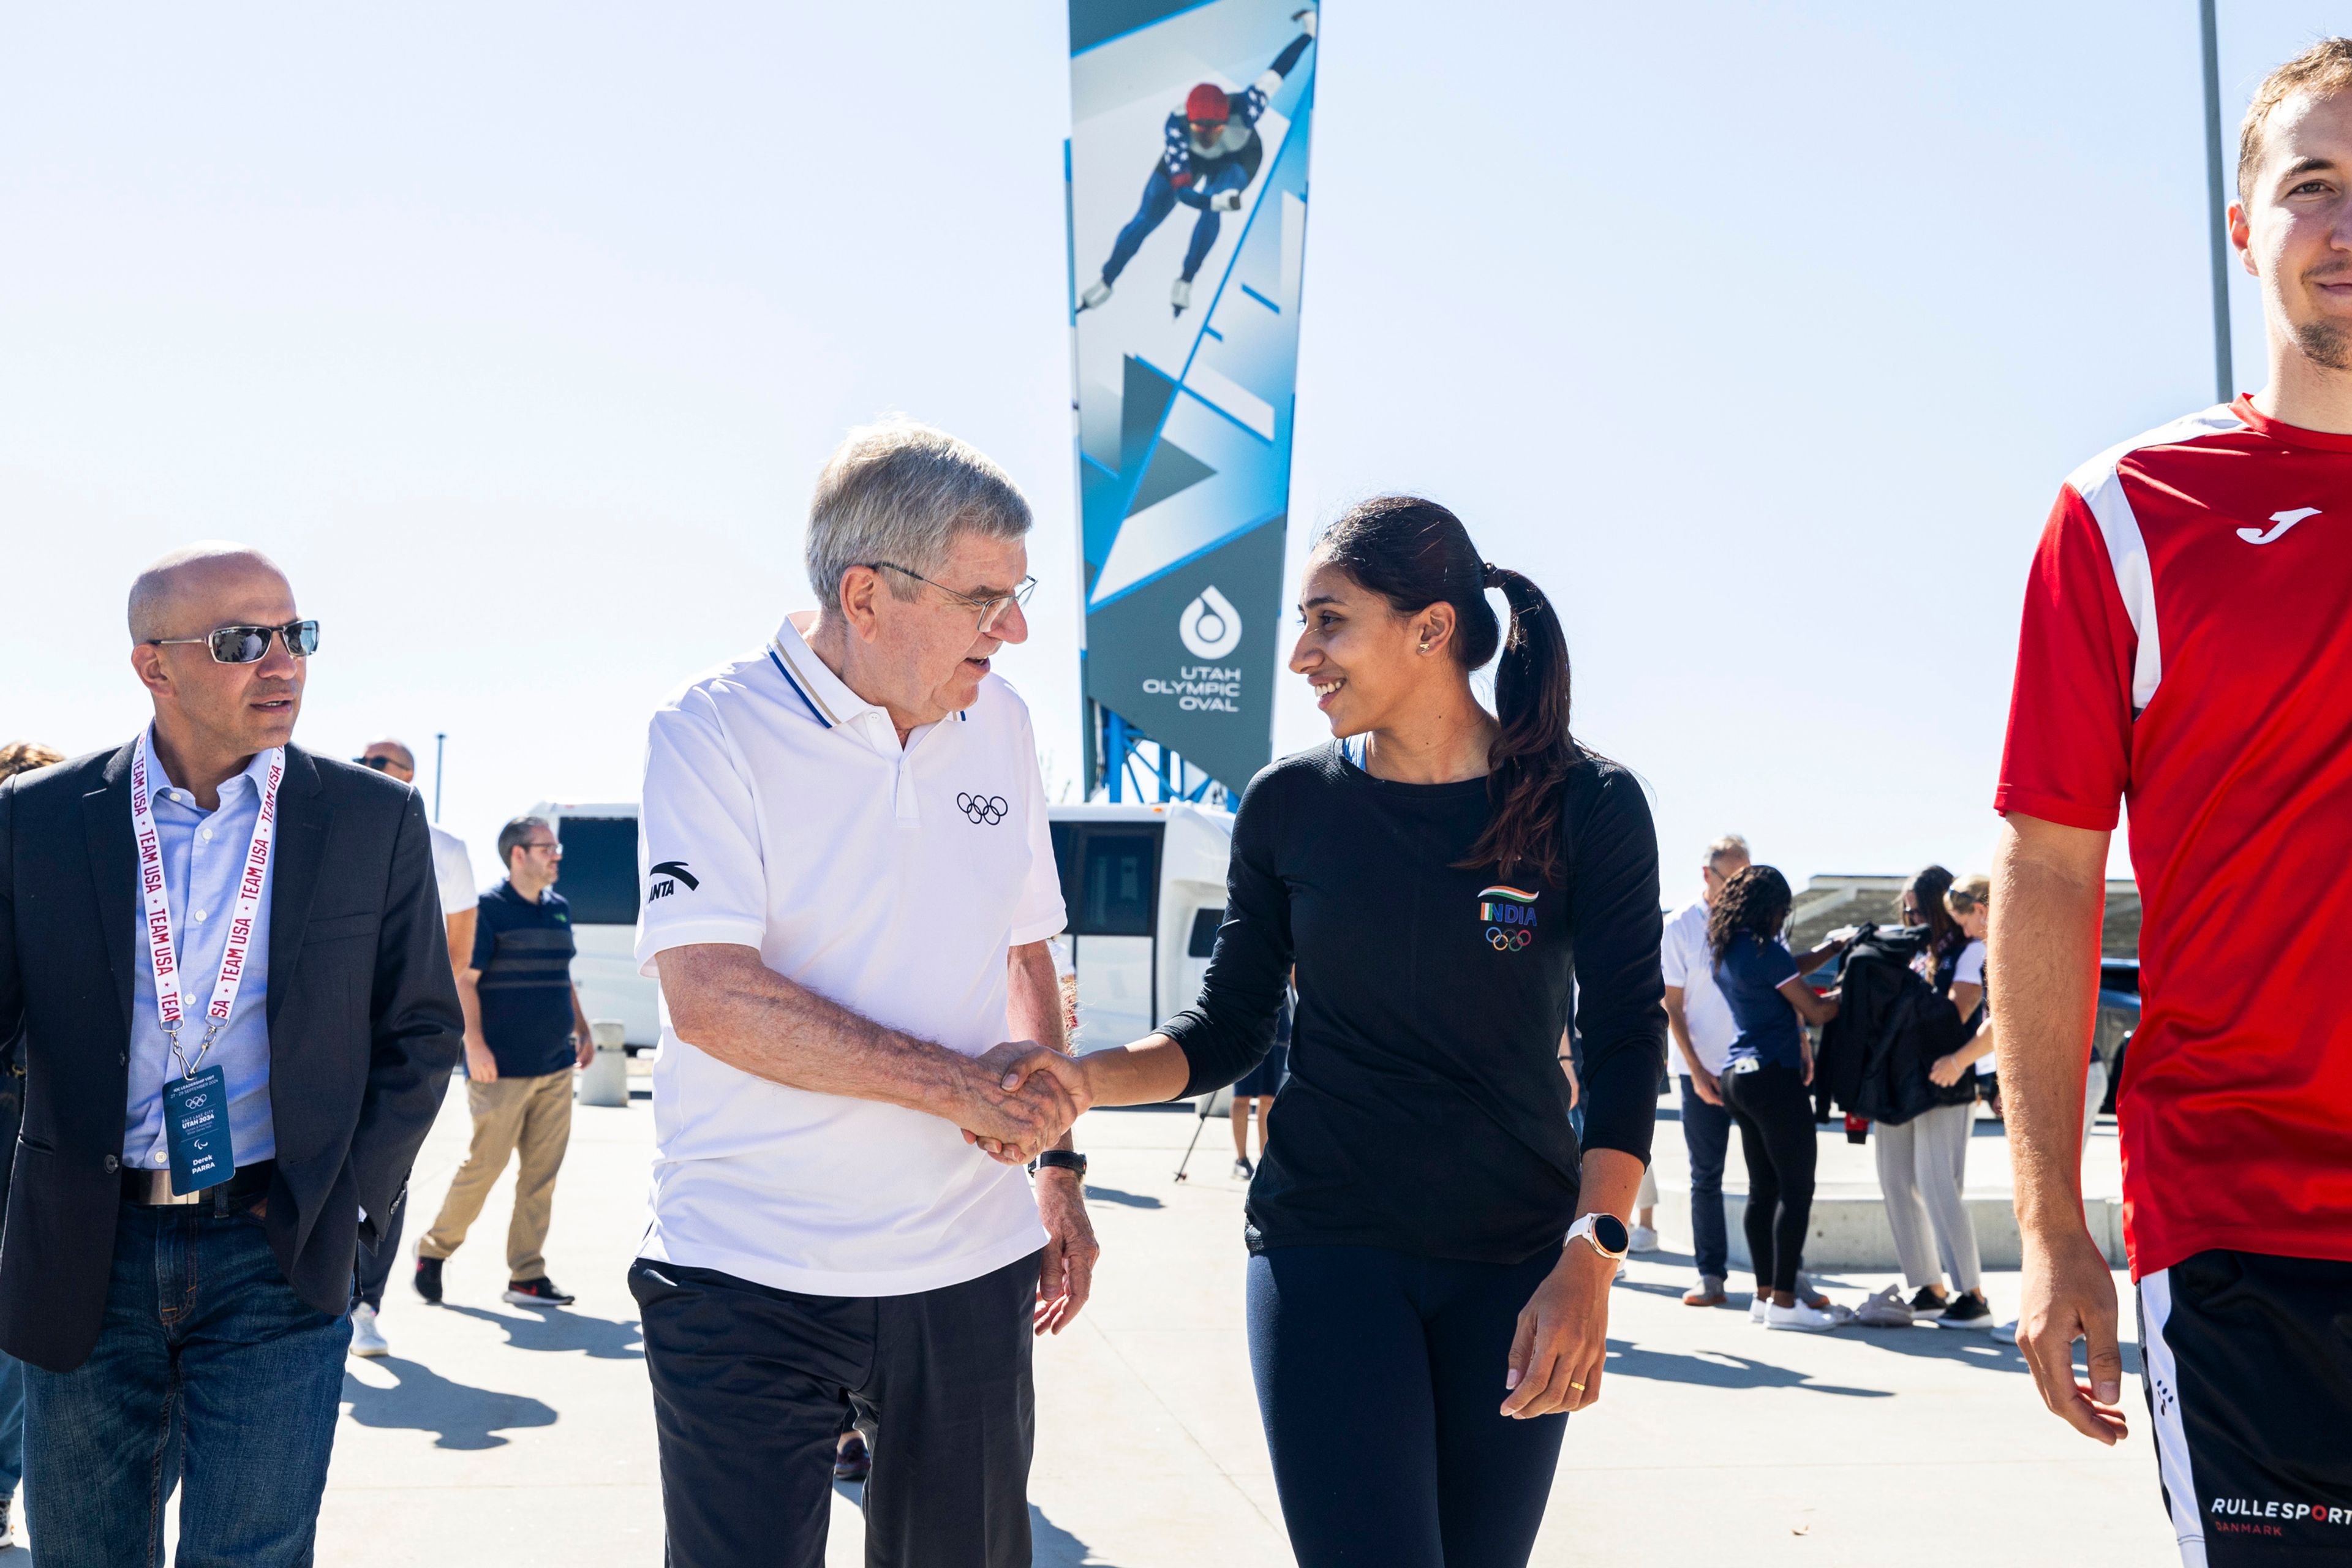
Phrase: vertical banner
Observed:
(1187, 202)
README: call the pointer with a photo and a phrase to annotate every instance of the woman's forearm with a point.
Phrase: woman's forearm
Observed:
(1148, 1072)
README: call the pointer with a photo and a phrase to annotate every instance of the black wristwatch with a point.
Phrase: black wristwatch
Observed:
(1061, 1159)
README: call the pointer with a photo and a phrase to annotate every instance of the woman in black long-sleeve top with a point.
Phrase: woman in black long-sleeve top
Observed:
(1425, 1301)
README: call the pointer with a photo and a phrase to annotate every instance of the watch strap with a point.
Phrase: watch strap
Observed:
(1061, 1159)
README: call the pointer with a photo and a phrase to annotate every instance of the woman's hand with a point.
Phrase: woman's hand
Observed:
(1945, 1071)
(1805, 1049)
(1563, 1337)
(1705, 1085)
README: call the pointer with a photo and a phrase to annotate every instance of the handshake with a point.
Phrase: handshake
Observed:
(1020, 1097)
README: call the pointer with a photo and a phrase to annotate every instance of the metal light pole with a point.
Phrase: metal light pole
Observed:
(2216, 205)
(440, 746)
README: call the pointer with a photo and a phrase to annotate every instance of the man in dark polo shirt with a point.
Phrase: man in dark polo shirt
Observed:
(524, 1033)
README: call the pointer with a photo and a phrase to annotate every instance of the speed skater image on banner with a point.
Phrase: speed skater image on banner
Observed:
(1187, 170)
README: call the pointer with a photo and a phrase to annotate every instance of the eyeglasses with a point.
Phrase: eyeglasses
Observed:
(554, 850)
(991, 609)
(250, 645)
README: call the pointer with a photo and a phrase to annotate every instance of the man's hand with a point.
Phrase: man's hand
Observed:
(2069, 1294)
(1065, 1275)
(1563, 1337)
(1025, 1067)
(1225, 202)
(584, 1050)
(1945, 1070)
(1707, 1086)
(481, 1065)
(1017, 1112)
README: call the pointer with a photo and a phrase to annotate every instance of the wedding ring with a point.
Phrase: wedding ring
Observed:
(1578, 1387)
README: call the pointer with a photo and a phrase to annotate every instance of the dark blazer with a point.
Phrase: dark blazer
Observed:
(363, 1028)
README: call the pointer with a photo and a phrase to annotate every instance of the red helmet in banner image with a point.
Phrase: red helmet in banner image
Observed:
(1206, 104)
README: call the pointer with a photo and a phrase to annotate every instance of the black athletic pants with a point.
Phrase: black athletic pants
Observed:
(1775, 1115)
(1380, 1378)
(750, 1384)
(2247, 1362)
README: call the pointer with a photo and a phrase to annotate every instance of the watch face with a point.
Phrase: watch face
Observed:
(1611, 1232)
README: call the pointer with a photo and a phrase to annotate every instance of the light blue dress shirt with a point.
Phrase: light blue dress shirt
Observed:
(202, 854)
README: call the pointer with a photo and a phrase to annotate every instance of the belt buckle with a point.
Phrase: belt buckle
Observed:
(159, 1192)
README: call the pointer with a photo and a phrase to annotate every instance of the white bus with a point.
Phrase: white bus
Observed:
(1145, 887)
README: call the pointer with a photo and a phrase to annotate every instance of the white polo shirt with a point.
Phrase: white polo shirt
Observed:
(781, 813)
(1689, 964)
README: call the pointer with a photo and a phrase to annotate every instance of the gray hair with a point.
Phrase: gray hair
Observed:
(515, 835)
(900, 492)
(1730, 846)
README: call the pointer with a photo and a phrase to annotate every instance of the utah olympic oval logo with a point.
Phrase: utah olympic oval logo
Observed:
(1210, 626)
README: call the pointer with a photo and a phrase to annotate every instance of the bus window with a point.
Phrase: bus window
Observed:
(600, 869)
(1205, 933)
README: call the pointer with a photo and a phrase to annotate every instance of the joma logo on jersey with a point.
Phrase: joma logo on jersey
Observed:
(1509, 914)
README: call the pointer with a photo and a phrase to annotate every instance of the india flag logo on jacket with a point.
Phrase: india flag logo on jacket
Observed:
(1510, 915)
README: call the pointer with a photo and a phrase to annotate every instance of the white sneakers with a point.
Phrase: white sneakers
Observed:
(1645, 1239)
(1096, 292)
(1811, 1320)
(1181, 296)
(366, 1338)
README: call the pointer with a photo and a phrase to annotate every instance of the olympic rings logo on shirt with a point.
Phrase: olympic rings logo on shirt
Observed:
(1509, 941)
(987, 810)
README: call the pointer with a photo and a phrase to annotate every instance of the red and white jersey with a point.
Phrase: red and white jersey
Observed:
(2188, 647)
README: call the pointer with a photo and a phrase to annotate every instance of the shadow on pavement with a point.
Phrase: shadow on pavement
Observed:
(424, 1401)
(555, 1329)
(1050, 1546)
(1126, 1200)
(1716, 1369)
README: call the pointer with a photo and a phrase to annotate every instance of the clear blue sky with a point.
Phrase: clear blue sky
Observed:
(1761, 335)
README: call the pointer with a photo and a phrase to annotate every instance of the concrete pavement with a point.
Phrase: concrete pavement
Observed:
(495, 1433)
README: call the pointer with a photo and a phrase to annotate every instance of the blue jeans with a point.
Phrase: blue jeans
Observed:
(1707, 1133)
(198, 1320)
(1379, 1379)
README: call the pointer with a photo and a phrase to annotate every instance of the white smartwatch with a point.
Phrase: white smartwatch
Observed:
(1604, 1233)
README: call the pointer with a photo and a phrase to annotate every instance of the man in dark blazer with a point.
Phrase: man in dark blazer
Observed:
(127, 1296)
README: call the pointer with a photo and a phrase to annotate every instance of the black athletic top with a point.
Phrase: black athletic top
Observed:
(1426, 1111)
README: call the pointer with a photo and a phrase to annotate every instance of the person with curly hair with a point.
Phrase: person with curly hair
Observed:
(1764, 1084)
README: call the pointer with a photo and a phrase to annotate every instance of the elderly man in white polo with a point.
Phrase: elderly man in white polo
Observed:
(849, 889)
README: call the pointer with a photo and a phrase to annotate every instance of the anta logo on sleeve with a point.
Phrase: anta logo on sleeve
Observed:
(2285, 520)
(1509, 914)
(986, 810)
(667, 876)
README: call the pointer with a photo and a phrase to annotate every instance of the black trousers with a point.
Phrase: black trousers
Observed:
(374, 1268)
(749, 1386)
(1775, 1115)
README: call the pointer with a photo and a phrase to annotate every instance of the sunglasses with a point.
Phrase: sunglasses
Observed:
(380, 764)
(250, 645)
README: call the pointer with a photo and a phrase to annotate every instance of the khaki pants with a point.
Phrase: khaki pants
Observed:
(530, 1114)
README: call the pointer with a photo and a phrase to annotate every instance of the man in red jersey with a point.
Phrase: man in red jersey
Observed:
(2188, 647)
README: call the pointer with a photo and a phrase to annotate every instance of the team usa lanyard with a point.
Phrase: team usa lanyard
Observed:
(162, 950)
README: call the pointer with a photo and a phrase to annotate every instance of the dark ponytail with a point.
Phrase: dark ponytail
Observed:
(1415, 554)
(1756, 900)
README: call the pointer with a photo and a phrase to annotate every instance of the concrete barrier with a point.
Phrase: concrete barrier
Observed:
(605, 1080)
(1850, 1230)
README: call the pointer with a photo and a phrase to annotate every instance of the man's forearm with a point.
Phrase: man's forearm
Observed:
(1679, 1028)
(1033, 1008)
(727, 1004)
(2048, 897)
